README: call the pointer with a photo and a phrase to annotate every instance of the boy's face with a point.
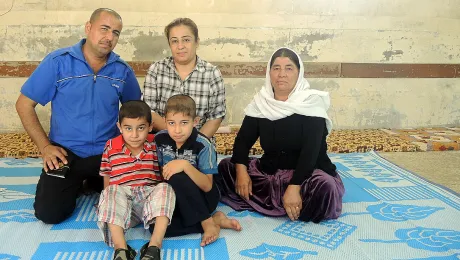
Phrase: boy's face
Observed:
(134, 131)
(180, 126)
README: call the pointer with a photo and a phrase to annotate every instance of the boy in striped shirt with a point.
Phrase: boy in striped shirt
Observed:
(134, 190)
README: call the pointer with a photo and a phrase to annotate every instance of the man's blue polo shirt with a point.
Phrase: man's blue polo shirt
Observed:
(84, 105)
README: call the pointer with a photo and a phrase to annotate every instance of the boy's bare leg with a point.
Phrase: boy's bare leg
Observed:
(211, 231)
(224, 222)
(118, 236)
(158, 234)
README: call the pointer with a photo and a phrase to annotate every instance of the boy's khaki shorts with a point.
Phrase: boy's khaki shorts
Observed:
(127, 206)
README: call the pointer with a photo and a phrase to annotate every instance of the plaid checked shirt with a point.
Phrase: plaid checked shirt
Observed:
(204, 84)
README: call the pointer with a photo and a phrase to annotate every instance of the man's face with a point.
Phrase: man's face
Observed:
(102, 34)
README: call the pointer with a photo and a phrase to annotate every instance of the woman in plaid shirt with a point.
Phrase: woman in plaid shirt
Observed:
(185, 73)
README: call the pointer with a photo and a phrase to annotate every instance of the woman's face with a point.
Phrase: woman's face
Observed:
(183, 44)
(283, 75)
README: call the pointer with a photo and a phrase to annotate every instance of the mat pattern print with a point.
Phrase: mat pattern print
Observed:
(339, 141)
(388, 213)
(350, 141)
(19, 145)
(430, 139)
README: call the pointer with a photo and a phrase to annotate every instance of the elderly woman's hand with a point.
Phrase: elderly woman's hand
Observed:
(243, 184)
(292, 201)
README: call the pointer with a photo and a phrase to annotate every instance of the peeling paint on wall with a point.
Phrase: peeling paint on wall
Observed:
(324, 85)
(9, 92)
(380, 118)
(148, 47)
(389, 54)
(68, 41)
(239, 92)
(307, 41)
(259, 50)
(39, 44)
(35, 42)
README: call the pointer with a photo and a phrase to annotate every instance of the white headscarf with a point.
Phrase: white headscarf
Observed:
(302, 100)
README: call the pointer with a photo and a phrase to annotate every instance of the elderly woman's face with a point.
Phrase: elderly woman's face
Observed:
(283, 75)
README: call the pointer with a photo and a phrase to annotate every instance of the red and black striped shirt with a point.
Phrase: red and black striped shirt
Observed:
(127, 169)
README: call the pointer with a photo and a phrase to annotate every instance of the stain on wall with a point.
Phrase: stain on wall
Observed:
(305, 44)
(150, 46)
(34, 42)
(260, 50)
(8, 97)
(380, 118)
(239, 93)
(390, 55)
(68, 41)
(324, 85)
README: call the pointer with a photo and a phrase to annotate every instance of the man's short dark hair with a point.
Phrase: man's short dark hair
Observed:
(181, 104)
(95, 15)
(135, 109)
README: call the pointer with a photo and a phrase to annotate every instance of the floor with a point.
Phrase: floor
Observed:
(439, 167)
(387, 214)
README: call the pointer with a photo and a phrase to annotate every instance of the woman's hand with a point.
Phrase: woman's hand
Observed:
(292, 201)
(243, 184)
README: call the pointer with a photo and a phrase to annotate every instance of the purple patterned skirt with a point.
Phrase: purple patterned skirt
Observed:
(321, 193)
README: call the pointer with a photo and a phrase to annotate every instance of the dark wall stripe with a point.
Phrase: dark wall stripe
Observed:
(312, 69)
(257, 69)
(17, 68)
(375, 70)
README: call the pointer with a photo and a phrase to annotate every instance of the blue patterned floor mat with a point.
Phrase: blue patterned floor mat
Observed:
(388, 213)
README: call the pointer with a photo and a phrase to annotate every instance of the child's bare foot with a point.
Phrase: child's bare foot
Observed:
(221, 219)
(211, 231)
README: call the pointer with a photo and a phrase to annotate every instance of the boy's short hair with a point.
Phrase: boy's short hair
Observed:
(135, 109)
(181, 104)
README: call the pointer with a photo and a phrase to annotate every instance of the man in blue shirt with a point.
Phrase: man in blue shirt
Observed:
(85, 84)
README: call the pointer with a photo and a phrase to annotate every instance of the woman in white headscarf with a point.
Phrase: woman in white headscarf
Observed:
(294, 176)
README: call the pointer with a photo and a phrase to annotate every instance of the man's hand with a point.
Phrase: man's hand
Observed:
(292, 201)
(173, 167)
(51, 154)
(243, 184)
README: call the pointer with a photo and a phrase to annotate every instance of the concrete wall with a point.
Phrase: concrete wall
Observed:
(244, 31)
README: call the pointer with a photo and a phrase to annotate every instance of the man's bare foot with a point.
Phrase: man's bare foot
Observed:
(211, 232)
(221, 219)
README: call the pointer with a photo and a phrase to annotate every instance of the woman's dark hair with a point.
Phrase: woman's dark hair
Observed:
(182, 21)
(284, 52)
(135, 109)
